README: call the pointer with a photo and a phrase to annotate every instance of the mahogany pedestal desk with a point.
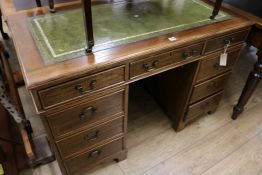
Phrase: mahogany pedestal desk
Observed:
(83, 102)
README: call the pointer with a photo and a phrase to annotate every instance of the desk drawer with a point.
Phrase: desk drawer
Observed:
(155, 62)
(88, 159)
(84, 115)
(205, 106)
(82, 86)
(84, 140)
(219, 43)
(209, 67)
(209, 87)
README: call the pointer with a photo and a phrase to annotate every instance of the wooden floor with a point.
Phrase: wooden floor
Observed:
(213, 145)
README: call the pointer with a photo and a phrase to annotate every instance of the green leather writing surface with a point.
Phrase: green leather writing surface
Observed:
(61, 36)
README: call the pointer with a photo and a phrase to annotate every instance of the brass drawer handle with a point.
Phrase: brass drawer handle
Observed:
(185, 55)
(94, 154)
(89, 138)
(81, 89)
(216, 66)
(229, 40)
(149, 67)
(205, 106)
(188, 54)
(212, 86)
(91, 109)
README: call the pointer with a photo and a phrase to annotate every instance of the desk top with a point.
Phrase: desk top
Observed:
(37, 73)
(61, 36)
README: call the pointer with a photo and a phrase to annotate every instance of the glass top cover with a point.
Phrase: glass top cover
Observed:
(61, 36)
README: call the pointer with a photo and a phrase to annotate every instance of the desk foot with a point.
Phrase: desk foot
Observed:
(120, 156)
(4, 35)
(236, 112)
(88, 51)
(213, 16)
(217, 7)
(251, 84)
(51, 6)
(43, 152)
(38, 3)
(178, 126)
(52, 10)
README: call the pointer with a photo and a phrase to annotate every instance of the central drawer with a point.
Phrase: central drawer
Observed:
(81, 86)
(153, 63)
(83, 116)
(86, 139)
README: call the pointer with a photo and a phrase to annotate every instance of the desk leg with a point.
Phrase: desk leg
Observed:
(251, 84)
(4, 35)
(38, 3)
(217, 7)
(87, 9)
(51, 6)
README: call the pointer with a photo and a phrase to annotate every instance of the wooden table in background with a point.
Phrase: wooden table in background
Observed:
(253, 11)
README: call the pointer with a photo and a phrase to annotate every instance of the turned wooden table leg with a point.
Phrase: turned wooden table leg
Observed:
(87, 9)
(217, 7)
(51, 6)
(251, 84)
(38, 3)
(4, 35)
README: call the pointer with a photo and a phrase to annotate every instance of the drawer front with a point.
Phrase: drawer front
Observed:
(82, 86)
(89, 138)
(84, 115)
(203, 107)
(210, 67)
(219, 43)
(209, 87)
(155, 62)
(86, 160)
